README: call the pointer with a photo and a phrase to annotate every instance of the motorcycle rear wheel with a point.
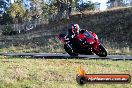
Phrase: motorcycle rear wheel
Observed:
(69, 50)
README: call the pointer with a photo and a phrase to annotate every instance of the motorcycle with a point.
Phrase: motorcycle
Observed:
(86, 43)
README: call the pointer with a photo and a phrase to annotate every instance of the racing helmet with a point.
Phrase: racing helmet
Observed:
(74, 29)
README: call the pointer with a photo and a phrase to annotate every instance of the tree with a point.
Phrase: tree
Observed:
(36, 6)
(86, 6)
(5, 18)
(16, 11)
(4, 4)
(115, 3)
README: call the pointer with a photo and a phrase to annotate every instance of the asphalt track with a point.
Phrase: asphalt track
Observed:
(66, 56)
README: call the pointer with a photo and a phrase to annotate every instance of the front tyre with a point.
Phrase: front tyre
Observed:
(69, 50)
(102, 51)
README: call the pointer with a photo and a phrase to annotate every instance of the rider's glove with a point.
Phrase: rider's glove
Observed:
(67, 39)
(72, 36)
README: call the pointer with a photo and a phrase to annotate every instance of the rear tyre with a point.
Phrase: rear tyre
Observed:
(102, 51)
(70, 51)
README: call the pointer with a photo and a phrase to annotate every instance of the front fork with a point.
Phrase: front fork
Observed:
(96, 47)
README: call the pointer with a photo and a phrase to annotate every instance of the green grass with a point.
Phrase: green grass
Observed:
(56, 73)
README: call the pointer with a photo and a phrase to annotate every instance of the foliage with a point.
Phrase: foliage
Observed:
(86, 6)
(4, 4)
(16, 10)
(45, 9)
(8, 30)
(6, 19)
(116, 3)
(36, 6)
(39, 8)
(52, 9)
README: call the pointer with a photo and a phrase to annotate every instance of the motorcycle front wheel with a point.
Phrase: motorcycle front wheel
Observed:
(69, 50)
(102, 51)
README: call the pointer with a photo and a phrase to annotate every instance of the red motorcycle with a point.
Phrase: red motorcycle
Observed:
(86, 43)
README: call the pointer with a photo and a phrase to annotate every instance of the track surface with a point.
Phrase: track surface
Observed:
(61, 55)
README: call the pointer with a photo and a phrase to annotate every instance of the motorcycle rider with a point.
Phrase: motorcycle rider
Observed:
(75, 35)
(73, 46)
(73, 30)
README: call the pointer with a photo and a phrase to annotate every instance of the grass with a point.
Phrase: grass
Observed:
(56, 73)
(37, 46)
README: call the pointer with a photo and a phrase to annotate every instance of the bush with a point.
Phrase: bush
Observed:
(9, 31)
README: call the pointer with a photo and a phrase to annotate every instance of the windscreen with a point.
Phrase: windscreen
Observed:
(88, 34)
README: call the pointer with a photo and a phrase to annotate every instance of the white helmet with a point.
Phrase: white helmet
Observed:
(75, 29)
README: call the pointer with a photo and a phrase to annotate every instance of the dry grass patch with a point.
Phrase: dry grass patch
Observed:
(57, 73)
